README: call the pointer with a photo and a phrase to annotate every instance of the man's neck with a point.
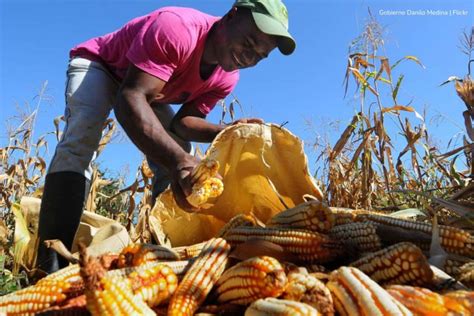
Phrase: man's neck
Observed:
(209, 54)
(208, 59)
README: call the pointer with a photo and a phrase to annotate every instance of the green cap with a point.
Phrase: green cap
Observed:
(271, 17)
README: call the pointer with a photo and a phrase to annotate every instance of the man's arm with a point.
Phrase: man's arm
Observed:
(134, 113)
(190, 124)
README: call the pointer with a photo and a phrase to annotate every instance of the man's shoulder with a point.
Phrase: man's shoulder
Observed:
(188, 16)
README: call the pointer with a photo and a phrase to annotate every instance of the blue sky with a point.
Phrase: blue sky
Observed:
(36, 36)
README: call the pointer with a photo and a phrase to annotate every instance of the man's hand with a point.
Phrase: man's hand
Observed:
(248, 120)
(182, 183)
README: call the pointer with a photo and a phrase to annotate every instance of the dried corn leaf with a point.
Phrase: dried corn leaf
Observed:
(465, 91)
(437, 254)
(397, 87)
(413, 58)
(21, 237)
(57, 120)
(3, 235)
(107, 132)
(397, 108)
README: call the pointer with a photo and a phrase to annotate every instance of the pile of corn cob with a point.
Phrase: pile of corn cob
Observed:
(309, 260)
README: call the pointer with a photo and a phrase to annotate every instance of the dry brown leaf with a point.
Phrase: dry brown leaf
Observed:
(397, 108)
(465, 91)
(4, 233)
(386, 67)
(21, 237)
(468, 124)
(57, 120)
(344, 138)
(109, 127)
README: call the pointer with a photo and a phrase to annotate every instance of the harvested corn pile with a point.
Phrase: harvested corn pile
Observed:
(219, 277)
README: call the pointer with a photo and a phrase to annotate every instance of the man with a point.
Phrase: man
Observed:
(170, 56)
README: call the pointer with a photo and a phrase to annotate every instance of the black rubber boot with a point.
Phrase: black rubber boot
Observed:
(60, 214)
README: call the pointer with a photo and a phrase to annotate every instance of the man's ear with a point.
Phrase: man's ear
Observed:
(232, 13)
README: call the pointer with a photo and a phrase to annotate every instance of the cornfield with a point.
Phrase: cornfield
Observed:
(393, 204)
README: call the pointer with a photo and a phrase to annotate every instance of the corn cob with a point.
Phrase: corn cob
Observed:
(466, 274)
(68, 274)
(402, 263)
(206, 184)
(277, 307)
(306, 288)
(312, 215)
(114, 296)
(342, 215)
(453, 240)
(419, 300)
(187, 252)
(138, 254)
(154, 285)
(316, 268)
(203, 191)
(108, 295)
(290, 267)
(236, 221)
(221, 309)
(71, 274)
(459, 302)
(207, 168)
(354, 293)
(359, 236)
(72, 307)
(35, 298)
(453, 264)
(56, 288)
(307, 245)
(200, 278)
(179, 268)
(250, 280)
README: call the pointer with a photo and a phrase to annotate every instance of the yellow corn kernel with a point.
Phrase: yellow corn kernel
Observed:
(200, 278)
(138, 254)
(188, 252)
(252, 279)
(361, 237)
(309, 246)
(35, 298)
(236, 221)
(354, 293)
(313, 215)
(419, 300)
(459, 302)
(154, 285)
(278, 307)
(403, 263)
(306, 288)
(206, 184)
(453, 240)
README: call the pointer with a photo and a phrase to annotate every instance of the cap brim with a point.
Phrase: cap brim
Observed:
(286, 44)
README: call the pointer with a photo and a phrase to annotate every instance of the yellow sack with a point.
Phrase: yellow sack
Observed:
(260, 164)
(100, 234)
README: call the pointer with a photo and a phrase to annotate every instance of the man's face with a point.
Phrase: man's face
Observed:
(240, 43)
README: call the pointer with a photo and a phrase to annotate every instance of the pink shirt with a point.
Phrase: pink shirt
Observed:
(168, 44)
